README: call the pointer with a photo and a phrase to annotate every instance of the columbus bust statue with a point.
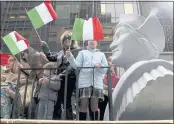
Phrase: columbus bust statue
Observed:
(145, 90)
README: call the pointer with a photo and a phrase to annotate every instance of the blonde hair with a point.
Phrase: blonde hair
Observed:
(69, 33)
(66, 33)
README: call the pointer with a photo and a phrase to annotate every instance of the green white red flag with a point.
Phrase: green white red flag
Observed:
(15, 42)
(42, 14)
(87, 29)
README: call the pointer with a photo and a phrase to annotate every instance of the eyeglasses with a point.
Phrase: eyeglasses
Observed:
(66, 38)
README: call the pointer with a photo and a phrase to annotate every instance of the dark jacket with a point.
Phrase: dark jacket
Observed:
(62, 63)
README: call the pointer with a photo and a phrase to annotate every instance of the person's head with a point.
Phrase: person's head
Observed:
(12, 65)
(137, 39)
(11, 62)
(66, 41)
(92, 44)
(47, 71)
(109, 59)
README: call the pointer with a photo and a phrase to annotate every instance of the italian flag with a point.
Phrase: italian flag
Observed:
(15, 42)
(4, 61)
(87, 29)
(42, 14)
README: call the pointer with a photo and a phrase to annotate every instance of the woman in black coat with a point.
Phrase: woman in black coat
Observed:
(62, 64)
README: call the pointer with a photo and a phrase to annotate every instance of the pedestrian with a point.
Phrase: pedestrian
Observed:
(48, 88)
(62, 65)
(114, 79)
(90, 82)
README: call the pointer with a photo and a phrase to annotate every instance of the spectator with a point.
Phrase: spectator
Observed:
(62, 64)
(8, 84)
(114, 79)
(89, 88)
(48, 87)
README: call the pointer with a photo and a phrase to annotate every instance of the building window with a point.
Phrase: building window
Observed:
(12, 17)
(22, 16)
(72, 18)
(53, 34)
(103, 9)
(128, 8)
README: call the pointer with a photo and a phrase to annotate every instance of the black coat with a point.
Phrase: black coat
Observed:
(62, 63)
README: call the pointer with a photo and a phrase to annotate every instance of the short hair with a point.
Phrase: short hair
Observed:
(49, 65)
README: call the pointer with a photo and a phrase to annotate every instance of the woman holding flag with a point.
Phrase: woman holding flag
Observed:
(62, 65)
(90, 82)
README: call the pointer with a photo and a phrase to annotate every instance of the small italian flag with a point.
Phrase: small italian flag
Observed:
(4, 61)
(42, 14)
(15, 42)
(87, 30)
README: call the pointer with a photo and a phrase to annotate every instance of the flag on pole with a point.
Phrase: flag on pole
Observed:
(4, 61)
(42, 14)
(87, 30)
(15, 42)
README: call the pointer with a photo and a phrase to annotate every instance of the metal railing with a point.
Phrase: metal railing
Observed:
(35, 80)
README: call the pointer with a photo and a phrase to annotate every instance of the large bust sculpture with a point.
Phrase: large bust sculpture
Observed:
(145, 90)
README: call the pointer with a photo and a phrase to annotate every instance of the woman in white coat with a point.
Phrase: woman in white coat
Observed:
(90, 88)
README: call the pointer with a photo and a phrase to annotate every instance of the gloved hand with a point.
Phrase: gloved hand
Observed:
(44, 47)
(56, 78)
(42, 42)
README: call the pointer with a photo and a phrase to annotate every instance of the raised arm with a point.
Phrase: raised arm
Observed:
(50, 56)
(78, 62)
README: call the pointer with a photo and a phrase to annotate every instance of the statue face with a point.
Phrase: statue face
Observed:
(125, 47)
(136, 40)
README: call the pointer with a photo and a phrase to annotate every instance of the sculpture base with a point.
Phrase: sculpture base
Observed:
(27, 121)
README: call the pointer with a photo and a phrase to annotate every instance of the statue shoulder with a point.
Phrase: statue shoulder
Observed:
(134, 83)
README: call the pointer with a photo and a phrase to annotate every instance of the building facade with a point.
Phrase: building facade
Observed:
(13, 17)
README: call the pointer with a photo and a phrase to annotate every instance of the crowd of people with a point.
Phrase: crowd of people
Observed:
(49, 90)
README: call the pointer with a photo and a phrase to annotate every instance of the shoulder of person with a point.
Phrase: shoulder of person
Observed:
(101, 53)
(60, 52)
(83, 51)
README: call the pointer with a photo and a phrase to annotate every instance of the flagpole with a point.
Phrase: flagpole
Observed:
(35, 29)
(37, 34)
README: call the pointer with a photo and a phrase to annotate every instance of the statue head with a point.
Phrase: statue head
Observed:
(136, 39)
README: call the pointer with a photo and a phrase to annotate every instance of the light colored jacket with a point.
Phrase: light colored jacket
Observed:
(49, 91)
(88, 58)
